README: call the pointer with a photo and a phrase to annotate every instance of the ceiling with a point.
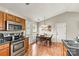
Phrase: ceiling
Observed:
(40, 11)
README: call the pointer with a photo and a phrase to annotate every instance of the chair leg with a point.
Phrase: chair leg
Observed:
(50, 42)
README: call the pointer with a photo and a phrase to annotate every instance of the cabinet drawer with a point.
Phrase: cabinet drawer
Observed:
(4, 46)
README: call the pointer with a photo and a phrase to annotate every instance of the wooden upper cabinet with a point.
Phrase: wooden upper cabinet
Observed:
(23, 24)
(2, 21)
(10, 17)
(18, 19)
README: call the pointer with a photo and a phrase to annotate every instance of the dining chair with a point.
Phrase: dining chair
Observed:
(42, 39)
(49, 40)
(37, 38)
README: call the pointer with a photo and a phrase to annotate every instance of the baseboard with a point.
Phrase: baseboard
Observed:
(32, 43)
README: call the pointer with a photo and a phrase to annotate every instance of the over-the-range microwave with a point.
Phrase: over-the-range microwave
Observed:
(12, 26)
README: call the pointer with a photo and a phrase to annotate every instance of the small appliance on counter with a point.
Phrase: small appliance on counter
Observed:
(1, 38)
(13, 36)
(7, 37)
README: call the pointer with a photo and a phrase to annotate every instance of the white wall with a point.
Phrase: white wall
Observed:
(72, 21)
(30, 30)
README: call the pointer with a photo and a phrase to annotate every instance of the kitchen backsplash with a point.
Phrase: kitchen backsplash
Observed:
(9, 32)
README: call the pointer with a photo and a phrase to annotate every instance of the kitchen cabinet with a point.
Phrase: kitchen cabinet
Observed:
(23, 24)
(10, 17)
(4, 49)
(6, 16)
(18, 19)
(64, 50)
(2, 22)
(4, 52)
(26, 44)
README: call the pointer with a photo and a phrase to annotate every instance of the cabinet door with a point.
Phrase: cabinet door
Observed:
(18, 19)
(23, 24)
(65, 51)
(26, 44)
(10, 17)
(4, 52)
(1, 20)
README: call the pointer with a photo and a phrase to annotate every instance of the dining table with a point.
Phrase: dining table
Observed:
(44, 38)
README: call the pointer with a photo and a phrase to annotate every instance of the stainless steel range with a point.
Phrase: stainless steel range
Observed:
(17, 48)
(17, 44)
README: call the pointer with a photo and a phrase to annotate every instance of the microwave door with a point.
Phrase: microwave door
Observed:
(17, 27)
(11, 27)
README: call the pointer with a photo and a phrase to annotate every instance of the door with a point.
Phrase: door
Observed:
(60, 31)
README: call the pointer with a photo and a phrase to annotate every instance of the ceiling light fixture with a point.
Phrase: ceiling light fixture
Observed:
(27, 3)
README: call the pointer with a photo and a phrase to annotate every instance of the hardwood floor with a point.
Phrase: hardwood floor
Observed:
(38, 49)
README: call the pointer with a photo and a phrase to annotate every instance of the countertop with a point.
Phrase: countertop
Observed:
(73, 50)
(5, 42)
(71, 44)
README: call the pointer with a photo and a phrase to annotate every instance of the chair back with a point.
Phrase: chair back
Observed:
(50, 37)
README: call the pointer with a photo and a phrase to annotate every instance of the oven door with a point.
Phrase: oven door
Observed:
(17, 48)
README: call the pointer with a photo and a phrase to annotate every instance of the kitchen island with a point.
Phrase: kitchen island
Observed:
(72, 47)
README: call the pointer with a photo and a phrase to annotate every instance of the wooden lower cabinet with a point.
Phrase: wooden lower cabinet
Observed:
(4, 50)
(26, 44)
(65, 51)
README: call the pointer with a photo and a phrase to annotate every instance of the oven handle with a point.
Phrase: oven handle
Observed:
(17, 42)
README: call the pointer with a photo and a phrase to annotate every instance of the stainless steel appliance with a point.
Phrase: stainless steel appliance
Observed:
(16, 45)
(8, 38)
(12, 36)
(10, 25)
(17, 48)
